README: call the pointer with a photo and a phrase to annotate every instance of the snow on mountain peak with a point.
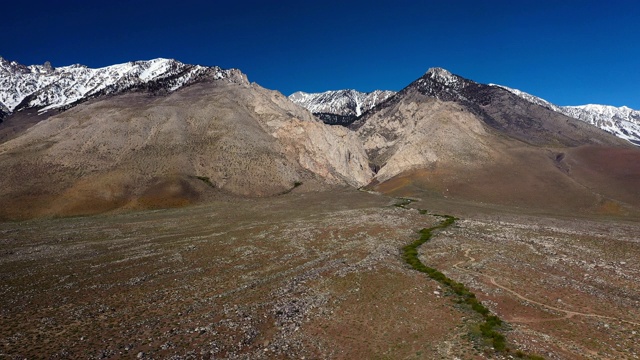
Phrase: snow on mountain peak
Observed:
(442, 76)
(622, 122)
(438, 72)
(47, 87)
(442, 84)
(349, 103)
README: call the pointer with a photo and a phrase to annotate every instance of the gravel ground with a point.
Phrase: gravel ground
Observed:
(314, 276)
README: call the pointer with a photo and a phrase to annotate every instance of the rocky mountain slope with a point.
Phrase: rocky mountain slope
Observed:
(497, 108)
(444, 134)
(340, 107)
(622, 122)
(147, 149)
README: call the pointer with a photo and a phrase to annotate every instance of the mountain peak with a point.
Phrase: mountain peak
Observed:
(443, 76)
(48, 67)
(440, 83)
(438, 71)
(46, 87)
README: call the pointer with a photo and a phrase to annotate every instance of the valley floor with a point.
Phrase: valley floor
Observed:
(315, 275)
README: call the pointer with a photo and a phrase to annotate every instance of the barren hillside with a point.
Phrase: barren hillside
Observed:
(451, 136)
(138, 150)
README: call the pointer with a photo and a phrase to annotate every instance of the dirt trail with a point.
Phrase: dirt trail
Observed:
(568, 313)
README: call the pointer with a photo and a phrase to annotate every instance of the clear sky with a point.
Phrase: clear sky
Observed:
(568, 52)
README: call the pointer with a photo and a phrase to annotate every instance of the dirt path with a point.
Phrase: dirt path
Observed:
(568, 313)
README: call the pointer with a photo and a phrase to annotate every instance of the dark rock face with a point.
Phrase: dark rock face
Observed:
(336, 119)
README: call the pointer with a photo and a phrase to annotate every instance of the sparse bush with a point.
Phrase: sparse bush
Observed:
(206, 180)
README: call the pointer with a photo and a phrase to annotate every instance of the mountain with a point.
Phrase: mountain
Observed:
(46, 88)
(343, 107)
(340, 107)
(447, 135)
(499, 109)
(622, 122)
(159, 146)
(160, 133)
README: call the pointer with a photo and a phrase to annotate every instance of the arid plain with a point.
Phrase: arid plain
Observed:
(317, 275)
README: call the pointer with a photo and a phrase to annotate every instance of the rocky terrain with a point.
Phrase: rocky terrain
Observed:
(399, 137)
(553, 279)
(315, 275)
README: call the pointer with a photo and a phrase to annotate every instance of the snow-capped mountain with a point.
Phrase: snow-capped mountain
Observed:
(440, 83)
(623, 122)
(620, 121)
(45, 87)
(340, 106)
(496, 107)
(450, 135)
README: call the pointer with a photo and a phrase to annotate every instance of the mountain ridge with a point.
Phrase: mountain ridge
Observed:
(150, 139)
(47, 88)
(497, 107)
(340, 107)
(622, 121)
(332, 107)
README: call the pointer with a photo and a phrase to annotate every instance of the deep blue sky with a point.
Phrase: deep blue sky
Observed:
(568, 52)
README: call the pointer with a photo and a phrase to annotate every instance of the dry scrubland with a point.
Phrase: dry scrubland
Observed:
(314, 275)
(568, 287)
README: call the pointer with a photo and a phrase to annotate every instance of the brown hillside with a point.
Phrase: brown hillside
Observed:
(142, 151)
(469, 141)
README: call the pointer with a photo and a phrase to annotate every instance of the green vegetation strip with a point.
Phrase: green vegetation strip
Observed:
(488, 328)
